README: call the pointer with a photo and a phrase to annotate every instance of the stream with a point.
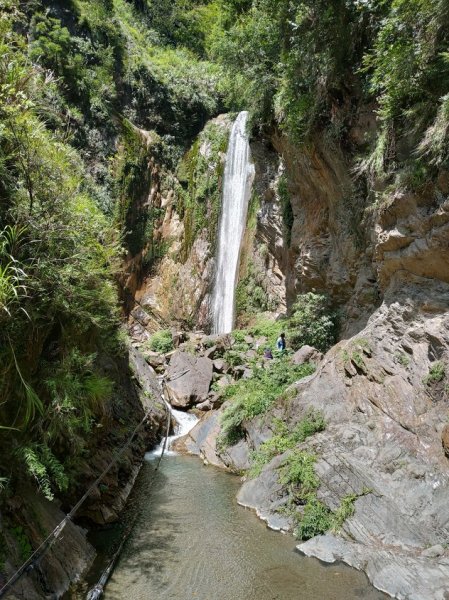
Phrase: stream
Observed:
(191, 540)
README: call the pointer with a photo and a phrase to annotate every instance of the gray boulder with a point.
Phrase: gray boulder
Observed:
(188, 379)
(155, 360)
(307, 354)
(211, 352)
(205, 406)
(220, 366)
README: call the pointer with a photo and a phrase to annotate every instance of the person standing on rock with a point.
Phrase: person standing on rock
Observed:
(280, 344)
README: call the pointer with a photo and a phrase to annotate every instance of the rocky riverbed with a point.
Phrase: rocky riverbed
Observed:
(385, 440)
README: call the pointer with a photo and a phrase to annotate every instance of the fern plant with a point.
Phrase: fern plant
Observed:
(45, 468)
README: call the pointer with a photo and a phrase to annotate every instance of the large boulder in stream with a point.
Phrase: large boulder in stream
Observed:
(188, 379)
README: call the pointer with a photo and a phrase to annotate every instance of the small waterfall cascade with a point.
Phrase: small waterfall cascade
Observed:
(238, 178)
(185, 422)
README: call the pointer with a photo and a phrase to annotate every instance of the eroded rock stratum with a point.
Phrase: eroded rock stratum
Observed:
(384, 434)
(385, 410)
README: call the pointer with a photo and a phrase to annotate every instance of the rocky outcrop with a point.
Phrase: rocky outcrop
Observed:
(177, 290)
(307, 354)
(188, 379)
(412, 235)
(400, 575)
(323, 255)
(27, 517)
(70, 556)
(202, 440)
(386, 419)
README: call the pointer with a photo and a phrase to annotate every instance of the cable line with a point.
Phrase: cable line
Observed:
(45, 546)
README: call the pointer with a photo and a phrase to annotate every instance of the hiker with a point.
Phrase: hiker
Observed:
(280, 344)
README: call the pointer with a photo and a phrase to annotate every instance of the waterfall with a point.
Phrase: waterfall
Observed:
(238, 178)
(185, 422)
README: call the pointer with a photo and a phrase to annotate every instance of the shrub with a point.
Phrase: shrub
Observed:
(161, 341)
(298, 472)
(254, 396)
(436, 373)
(251, 295)
(283, 440)
(345, 510)
(266, 327)
(313, 322)
(315, 520)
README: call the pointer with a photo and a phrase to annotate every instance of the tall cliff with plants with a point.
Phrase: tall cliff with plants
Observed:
(94, 110)
(350, 116)
(115, 117)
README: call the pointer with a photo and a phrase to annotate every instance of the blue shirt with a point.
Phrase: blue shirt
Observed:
(280, 344)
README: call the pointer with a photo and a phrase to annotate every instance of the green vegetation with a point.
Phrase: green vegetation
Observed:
(284, 440)
(266, 327)
(313, 322)
(316, 519)
(251, 296)
(161, 341)
(25, 548)
(201, 172)
(303, 63)
(59, 253)
(287, 211)
(345, 510)
(357, 352)
(254, 396)
(297, 473)
(45, 468)
(436, 373)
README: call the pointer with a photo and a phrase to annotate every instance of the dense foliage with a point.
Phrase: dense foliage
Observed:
(58, 254)
(285, 439)
(309, 63)
(312, 322)
(254, 396)
(92, 91)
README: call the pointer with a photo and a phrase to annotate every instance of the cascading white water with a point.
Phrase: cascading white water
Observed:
(185, 422)
(238, 178)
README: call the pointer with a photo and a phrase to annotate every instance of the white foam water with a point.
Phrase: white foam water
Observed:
(185, 422)
(238, 177)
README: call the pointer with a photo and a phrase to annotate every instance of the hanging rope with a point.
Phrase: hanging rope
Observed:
(45, 546)
(167, 432)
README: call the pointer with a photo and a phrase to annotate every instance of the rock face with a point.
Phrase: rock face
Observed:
(69, 557)
(202, 440)
(178, 288)
(445, 440)
(385, 426)
(188, 379)
(402, 576)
